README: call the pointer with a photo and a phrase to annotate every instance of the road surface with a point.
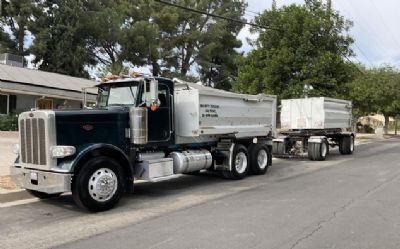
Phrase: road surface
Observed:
(344, 202)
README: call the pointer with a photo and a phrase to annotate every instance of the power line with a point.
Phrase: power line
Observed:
(384, 23)
(362, 52)
(215, 16)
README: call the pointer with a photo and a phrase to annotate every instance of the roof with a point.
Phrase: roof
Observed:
(36, 82)
(41, 78)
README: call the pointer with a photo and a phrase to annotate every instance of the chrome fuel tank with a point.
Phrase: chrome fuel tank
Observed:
(191, 160)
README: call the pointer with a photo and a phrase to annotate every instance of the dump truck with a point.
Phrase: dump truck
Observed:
(309, 126)
(142, 128)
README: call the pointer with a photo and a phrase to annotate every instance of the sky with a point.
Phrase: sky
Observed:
(375, 28)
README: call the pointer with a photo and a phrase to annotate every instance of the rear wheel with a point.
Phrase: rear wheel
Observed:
(99, 185)
(42, 195)
(318, 151)
(260, 158)
(346, 145)
(239, 164)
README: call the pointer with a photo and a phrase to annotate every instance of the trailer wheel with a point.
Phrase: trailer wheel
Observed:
(42, 195)
(346, 145)
(99, 185)
(260, 158)
(318, 151)
(240, 163)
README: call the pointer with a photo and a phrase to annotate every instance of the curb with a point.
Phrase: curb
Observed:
(4, 191)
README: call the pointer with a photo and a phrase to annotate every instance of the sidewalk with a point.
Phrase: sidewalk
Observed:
(7, 157)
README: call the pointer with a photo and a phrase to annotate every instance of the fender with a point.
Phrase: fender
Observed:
(70, 163)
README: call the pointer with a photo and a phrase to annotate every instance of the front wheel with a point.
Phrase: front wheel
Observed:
(99, 184)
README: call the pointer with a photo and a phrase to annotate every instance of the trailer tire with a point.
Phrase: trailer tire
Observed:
(99, 184)
(260, 158)
(318, 151)
(346, 145)
(42, 195)
(239, 163)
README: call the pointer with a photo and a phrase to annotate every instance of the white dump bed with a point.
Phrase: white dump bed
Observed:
(315, 113)
(204, 113)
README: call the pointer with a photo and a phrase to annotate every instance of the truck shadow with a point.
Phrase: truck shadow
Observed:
(151, 191)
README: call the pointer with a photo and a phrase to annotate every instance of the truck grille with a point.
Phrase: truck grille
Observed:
(33, 141)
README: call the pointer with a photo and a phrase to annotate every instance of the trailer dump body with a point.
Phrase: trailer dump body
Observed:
(315, 113)
(205, 113)
(312, 125)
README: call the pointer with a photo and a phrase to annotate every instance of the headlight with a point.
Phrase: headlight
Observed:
(15, 149)
(62, 151)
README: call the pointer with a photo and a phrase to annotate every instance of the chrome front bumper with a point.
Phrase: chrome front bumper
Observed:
(42, 181)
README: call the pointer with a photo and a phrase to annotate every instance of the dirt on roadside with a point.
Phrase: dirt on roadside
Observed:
(6, 183)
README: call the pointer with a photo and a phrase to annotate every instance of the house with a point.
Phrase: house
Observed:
(22, 89)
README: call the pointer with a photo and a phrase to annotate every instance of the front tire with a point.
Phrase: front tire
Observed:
(99, 184)
(239, 163)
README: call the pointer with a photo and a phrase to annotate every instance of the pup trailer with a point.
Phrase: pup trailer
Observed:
(312, 125)
(142, 128)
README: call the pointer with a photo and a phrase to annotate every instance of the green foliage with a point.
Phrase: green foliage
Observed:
(60, 43)
(376, 91)
(19, 16)
(9, 123)
(365, 128)
(187, 39)
(304, 57)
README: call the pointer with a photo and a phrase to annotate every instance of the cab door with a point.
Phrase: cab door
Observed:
(159, 121)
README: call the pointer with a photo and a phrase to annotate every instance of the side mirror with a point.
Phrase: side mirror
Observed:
(151, 93)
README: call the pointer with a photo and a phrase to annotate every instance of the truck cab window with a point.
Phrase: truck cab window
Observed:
(117, 95)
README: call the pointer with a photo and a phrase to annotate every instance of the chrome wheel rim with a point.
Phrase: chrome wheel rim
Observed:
(324, 149)
(240, 162)
(351, 144)
(262, 159)
(103, 184)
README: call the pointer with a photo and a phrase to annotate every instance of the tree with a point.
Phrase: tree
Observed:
(60, 45)
(19, 16)
(303, 55)
(119, 31)
(377, 91)
(188, 39)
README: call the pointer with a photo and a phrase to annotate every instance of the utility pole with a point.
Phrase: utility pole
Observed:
(329, 4)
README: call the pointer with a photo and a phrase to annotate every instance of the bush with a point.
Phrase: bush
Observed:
(365, 128)
(9, 123)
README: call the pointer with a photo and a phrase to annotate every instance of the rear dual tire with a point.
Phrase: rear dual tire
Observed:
(239, 163)
(318, 151)
(346, 145)
(260, 158)
(255, 159)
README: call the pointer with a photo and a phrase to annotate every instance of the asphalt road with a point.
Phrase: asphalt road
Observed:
(344, 202)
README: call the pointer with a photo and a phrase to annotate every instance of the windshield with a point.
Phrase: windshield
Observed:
(117, 95)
